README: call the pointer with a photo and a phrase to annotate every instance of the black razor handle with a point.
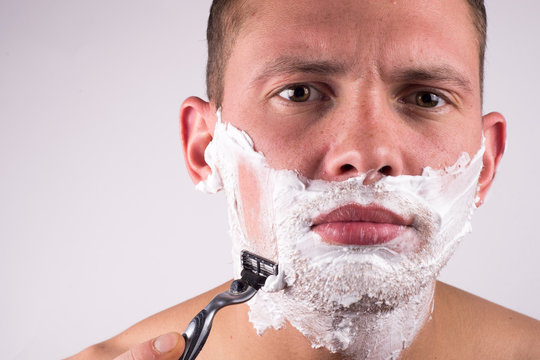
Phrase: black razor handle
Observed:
(196, 334)
(199, 328)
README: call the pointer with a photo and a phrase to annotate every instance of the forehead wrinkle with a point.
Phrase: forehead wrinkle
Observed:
(285, 65)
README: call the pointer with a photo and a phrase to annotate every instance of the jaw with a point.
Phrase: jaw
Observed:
(369, 329)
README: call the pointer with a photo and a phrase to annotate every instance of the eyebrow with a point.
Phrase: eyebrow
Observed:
(284, 65)
(290, 65)
(444, 73)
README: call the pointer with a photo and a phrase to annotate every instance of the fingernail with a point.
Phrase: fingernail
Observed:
(166, 343)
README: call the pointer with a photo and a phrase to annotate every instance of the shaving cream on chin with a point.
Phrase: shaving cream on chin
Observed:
(364, 301)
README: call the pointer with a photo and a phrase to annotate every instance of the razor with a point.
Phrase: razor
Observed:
(255, 271)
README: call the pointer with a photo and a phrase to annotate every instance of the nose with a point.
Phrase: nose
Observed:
(366, 140)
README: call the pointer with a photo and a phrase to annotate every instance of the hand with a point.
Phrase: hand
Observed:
(165, 347)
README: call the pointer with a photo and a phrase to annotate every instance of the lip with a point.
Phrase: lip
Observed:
(354, 224)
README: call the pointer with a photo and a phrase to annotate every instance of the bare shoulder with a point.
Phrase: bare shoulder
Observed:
(175, 318)
(492, 330)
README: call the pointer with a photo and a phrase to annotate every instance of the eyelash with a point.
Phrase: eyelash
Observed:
(311, 90)
(413, 97)
(403, 100)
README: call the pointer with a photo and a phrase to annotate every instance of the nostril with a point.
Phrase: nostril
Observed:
(347, 168)
(386, 170)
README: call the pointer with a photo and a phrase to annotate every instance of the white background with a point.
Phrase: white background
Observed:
(100, 225)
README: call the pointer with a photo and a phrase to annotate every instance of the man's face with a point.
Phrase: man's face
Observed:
(334, 89)
(338, 92)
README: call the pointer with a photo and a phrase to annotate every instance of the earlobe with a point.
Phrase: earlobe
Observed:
(494, 126)
(196, 124)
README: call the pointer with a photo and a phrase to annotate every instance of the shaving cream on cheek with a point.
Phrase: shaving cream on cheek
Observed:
(364, 301)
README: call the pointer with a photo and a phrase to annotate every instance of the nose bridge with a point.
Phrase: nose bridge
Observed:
(366, 138)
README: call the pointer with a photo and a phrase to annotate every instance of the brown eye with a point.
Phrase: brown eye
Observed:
(300, 93)
(428, 100)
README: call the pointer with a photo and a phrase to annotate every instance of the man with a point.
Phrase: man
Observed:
(363, 119)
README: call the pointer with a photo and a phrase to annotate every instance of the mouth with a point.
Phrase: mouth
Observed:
(358, 225)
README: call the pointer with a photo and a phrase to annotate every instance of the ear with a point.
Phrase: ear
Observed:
(495, 141)
(197, 122)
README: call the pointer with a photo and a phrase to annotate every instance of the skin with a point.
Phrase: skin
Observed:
(365, 64)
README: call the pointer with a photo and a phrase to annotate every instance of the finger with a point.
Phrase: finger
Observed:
(164, 347)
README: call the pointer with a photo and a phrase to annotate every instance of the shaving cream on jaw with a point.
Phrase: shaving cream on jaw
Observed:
(367, 302)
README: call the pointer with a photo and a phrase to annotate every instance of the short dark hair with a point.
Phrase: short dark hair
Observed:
(479, 15)
(227, 17)
(224, 23)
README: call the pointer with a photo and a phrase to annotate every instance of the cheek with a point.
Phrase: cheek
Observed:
(255, 200)
(249, 200)
(287, 141)
(301, 150)
(440, 146)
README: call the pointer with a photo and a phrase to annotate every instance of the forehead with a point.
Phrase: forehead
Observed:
(363, 36)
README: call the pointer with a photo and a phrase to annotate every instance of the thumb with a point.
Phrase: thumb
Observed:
(165, 347)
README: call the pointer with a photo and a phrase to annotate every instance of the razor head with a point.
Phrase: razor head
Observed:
(256, 269)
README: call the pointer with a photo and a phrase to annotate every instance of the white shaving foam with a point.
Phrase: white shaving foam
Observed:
(367, 302)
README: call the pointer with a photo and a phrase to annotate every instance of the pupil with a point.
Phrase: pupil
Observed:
(300, 93)
(428, 99)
